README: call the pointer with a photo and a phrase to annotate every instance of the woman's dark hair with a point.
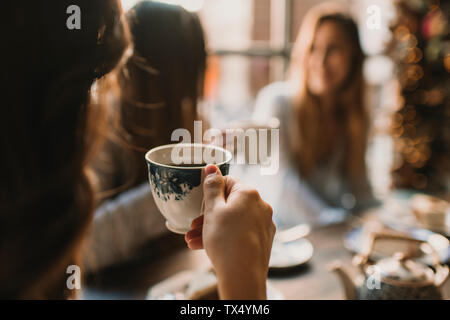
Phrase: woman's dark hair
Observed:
(48, 131)
(160, 86)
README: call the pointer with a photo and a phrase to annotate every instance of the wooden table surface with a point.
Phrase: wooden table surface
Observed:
(169, 256)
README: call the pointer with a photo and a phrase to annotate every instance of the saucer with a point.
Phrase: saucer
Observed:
(398, 213)
(290, 254)
(196, 285)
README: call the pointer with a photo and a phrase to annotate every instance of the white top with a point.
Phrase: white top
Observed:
(321, 198)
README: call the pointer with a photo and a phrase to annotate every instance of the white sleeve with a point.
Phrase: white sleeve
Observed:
(121, 226)
(300, 204)
(297, 203)
(272, 101)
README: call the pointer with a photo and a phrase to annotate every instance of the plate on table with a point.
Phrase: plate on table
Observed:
(355, 239)
(195, 285)
(286, 255)
(401, 212)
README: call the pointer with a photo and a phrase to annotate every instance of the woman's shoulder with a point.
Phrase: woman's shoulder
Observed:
(274, 100)
(278, 91)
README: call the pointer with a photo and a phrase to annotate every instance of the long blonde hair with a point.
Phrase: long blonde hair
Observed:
(352, 114)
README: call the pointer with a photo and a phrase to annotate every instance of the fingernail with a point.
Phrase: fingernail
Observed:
(210, 169)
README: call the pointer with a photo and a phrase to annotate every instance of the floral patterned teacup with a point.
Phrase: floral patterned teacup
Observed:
(176, 176)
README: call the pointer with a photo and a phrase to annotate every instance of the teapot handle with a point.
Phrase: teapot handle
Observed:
(362, 258)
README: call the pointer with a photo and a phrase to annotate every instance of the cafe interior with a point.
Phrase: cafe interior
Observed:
(343, 108)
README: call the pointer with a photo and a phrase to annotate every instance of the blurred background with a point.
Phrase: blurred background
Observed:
(407, 72)
(407, 67)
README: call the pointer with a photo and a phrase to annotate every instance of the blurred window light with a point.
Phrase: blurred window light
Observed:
(128, 4)
(190, 5)
(378, 69)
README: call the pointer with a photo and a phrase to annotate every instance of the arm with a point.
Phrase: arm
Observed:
(236, 232)
(121, 226)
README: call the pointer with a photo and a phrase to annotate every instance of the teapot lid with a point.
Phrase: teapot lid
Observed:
(401, 268)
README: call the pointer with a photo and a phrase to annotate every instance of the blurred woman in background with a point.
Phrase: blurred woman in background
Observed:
(161, 84)
(323, 119)
(49, 132)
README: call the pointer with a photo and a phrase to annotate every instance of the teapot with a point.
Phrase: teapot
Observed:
(399, 276)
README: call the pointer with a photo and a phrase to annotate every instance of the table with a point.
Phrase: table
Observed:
(169, 256)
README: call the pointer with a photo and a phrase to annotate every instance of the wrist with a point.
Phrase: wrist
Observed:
(245, 284)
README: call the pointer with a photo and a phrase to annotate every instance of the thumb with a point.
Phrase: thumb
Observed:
(213, 187)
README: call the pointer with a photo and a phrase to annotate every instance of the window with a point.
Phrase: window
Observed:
(249, 46)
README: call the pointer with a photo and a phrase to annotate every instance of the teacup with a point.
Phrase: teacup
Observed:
(176, 178)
